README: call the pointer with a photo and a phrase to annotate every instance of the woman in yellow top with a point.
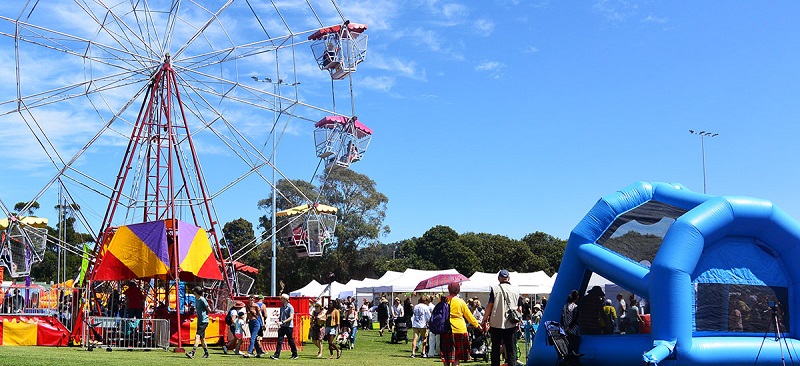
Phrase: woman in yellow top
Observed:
(332, 328)
(455, 345)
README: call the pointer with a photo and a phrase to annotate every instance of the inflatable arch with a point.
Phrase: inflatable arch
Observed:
(722, 268)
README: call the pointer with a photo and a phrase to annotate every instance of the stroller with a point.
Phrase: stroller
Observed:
(343, 339)
(344, 334)
(365, 322)
(557, 337)
(479, 347)
(400, 331)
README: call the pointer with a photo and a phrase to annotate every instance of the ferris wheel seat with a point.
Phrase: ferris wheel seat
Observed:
(340, 74)
(331, 65)
(301, 251)
(336, 164)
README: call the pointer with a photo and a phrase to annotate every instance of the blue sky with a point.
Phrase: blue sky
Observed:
(505, 117)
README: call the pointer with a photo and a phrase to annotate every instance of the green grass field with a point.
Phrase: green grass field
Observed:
(371, 349)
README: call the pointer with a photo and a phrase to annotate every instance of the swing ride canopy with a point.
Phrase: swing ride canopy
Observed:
(142, 251)
(352, 27)
(298, 210)
(331, 122)
(38, 222)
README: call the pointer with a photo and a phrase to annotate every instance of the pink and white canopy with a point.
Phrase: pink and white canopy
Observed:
(332, 121)
(352, 27)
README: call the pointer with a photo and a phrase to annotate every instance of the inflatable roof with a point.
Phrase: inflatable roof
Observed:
(722, 273)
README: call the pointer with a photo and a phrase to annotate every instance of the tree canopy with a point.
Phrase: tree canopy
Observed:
(357, 251)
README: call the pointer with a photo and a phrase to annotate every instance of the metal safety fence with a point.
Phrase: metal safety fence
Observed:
(126, 333)
(57, 301)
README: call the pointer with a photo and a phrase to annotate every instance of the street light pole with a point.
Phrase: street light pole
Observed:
(275, 115)
(703, 135)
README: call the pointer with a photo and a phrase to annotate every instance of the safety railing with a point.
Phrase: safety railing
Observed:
(125, 333)
(56, 301)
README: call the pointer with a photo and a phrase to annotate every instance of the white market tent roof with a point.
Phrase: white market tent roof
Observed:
(369, 287)
(407, 281)
(315, 289)
(350, 288)
(527, 282)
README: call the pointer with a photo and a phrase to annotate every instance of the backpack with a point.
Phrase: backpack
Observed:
(229, 318)
(383, 310)
(440, 318)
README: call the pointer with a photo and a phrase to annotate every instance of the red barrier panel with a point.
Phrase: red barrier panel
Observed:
(51, 333)
(644, 327)
(39, 330)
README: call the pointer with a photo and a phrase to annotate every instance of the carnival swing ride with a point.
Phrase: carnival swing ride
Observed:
(172, 82)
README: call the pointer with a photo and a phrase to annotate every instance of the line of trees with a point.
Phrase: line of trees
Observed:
(357, 251)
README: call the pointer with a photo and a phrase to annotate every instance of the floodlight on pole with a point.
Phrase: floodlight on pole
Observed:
(276, 99)
(703, 135)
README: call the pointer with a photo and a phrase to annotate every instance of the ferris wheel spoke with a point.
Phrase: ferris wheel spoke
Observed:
(124, 35)
(77, 90)
(76, 45)
(201, 30)
(238, 52)
(257, 97)
(67, 165)
(239, 144)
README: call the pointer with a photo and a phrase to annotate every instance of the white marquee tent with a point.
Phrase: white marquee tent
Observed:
(405, 282)
(315, 289)
(409, 280)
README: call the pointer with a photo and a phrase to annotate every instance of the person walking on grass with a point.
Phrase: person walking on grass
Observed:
(233, 314)
(383, 311)
(286, 320)
(317, 332)
(502, 298)
(254, 323)
(455, 345)
(434, 340)
(201, 307)
(332, 321)
(419, 321)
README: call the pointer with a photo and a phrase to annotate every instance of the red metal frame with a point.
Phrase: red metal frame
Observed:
(154, 126)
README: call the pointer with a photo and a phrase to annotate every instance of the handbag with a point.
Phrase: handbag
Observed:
(513, 315)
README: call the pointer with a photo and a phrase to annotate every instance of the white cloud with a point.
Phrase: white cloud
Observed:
(492, 67)
(489, 66)
(616, 10)
(377, 14)
(380, 83)
(654, 19)
(429, 38)
(400, 67)
(530, 49)
(454, 13)
(485, 27)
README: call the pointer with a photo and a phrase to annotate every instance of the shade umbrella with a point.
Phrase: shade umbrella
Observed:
(441, 280)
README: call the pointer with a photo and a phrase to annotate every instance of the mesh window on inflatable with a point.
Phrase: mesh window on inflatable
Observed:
(638, 234)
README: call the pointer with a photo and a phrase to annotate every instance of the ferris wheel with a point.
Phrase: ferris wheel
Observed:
(117, 103)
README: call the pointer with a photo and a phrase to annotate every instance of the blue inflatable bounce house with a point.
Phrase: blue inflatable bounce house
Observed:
(721, 289)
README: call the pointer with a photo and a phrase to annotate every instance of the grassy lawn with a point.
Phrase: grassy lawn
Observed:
(371, 349)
